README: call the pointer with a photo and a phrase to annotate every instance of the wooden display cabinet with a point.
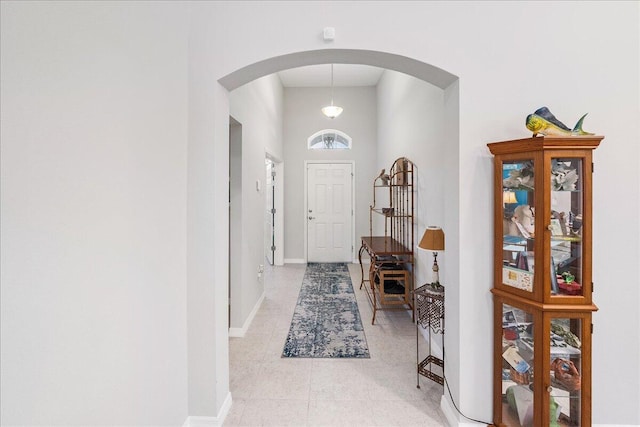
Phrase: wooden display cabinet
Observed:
(542, 281)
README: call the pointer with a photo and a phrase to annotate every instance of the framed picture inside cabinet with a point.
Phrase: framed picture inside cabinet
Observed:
(555, 227)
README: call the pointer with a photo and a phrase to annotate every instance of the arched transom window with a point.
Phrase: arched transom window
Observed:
(329, 139)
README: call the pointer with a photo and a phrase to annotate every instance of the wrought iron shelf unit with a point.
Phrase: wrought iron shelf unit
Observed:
(429, 302)
(390, 277)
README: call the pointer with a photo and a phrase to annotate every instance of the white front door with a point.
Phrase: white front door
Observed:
(329, 212)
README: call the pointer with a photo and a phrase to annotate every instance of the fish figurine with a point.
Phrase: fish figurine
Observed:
(545, 123)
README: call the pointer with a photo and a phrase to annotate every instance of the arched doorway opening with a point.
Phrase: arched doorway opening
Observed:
(220, 150)
(421, 70)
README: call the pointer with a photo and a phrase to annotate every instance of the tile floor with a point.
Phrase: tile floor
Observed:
(269, 390)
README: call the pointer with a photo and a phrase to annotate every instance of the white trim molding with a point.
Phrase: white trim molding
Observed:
(294, 261)
(451, 414)
(240, 332)
(217, 421)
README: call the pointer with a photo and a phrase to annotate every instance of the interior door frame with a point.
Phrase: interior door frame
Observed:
(270, 193)
(353, 203)
(278, 164)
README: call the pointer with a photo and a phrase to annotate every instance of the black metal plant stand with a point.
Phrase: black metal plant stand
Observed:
(429, 303)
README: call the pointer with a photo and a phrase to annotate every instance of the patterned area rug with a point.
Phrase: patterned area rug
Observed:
(326, 321)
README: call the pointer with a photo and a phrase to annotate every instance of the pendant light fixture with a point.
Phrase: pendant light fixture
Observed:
(332, 111)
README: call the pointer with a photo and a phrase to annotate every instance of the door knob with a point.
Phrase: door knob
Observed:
(312, 217)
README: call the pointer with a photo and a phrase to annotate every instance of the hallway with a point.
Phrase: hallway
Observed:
(269, 390)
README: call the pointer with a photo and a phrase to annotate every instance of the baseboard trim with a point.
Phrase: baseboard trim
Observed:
(240, 332)
(447, 410)
(294, 261)
(451, 414)
(217, 421)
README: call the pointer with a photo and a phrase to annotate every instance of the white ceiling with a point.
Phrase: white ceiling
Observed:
(320, 75)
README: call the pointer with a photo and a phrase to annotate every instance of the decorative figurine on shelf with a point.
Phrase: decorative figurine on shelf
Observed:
(568, 277)
(562, 219)
(384, 177)
(575, 222)
(545, 123)
(524, 221)
(568, 336)
(565, 373)
(562, 177)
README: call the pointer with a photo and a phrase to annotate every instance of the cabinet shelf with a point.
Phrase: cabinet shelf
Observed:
(566, 238)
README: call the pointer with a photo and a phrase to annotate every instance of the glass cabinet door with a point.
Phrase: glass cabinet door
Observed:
(517, 366)
(565, 226)
(565, 371)
(518, 224)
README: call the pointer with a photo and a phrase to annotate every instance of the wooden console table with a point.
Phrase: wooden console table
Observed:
(390, 261)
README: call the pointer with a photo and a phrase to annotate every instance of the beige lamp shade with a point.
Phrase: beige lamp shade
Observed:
(432, 239)
(509, 197)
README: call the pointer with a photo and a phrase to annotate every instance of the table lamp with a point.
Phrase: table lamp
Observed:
(433, 240)
(509, 197)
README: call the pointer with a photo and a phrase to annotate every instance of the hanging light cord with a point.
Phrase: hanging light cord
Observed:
(332, 85)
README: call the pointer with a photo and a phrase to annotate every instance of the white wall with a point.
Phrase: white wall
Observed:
(258, 107)
(236, 239)
(638, 176)
(411, 124)
(101, 88)
(94, 128)
(303, 118)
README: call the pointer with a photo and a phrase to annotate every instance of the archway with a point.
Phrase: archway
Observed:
(421, 70)
(213, 242)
